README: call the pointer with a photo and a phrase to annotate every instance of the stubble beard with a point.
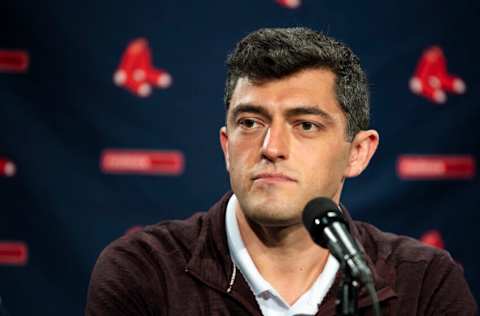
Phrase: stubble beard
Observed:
(270, 209)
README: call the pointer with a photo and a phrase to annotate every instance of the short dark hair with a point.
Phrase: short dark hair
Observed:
(275, 53)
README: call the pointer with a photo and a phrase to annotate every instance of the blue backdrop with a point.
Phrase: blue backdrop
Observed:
(60, 110)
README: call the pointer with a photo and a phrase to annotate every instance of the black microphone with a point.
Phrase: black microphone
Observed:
(328, 229)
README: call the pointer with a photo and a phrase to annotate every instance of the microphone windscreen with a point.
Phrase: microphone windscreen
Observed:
(319, 214)
(316, 209)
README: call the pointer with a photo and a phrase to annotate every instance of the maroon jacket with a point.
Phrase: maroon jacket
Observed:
(184, 268)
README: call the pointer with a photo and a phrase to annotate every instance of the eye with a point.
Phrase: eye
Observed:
(307, 126)
(248, 123)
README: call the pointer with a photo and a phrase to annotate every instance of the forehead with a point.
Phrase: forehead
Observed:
(311, 87)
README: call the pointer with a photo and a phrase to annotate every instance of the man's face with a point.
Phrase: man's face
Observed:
(284, 144)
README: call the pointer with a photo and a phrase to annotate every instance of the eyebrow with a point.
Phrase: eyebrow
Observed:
(250, 108)
(308, 110)
(300, 110)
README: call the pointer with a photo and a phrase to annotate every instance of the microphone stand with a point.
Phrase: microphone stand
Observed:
(347, 294)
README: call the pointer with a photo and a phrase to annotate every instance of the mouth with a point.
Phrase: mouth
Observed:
(272, 177)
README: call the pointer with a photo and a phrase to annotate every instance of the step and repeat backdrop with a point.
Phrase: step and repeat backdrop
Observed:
(110, 112)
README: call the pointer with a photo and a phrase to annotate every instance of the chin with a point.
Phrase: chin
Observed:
(268, 221)
(273, 214)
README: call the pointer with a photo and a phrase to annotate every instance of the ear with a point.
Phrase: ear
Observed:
(224, 144)
(363, 147)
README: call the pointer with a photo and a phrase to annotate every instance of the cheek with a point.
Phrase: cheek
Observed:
(243, 149)
(324, 164)
(236, 152)
(239, 157)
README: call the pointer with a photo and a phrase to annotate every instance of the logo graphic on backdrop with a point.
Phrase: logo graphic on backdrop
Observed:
(136, 72)
(436, 167)
(431, 78)
(14, 61)
(13, 253)
(7, 168)
(433, 238)
(148, 162)
(290, 4)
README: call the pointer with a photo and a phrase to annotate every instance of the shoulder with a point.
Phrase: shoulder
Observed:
(131, 273)
(158, 240)
(399, 249)
(418, 272)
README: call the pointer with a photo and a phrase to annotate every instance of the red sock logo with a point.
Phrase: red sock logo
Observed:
(7, 168)
(136, 72)
(433, 238)
(431, 79)
(290, 4)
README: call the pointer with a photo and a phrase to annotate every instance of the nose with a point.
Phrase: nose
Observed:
(275, 143)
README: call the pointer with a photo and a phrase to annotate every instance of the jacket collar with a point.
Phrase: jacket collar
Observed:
(211, 263)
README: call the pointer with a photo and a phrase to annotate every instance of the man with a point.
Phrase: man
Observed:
(296, 128)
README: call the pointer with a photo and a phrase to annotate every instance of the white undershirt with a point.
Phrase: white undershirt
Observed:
(270, 302)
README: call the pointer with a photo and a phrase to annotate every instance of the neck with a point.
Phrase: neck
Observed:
(285, 256)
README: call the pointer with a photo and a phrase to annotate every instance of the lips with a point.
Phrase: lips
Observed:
(273, 177)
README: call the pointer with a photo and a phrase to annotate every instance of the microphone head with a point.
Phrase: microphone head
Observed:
(317, 215)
